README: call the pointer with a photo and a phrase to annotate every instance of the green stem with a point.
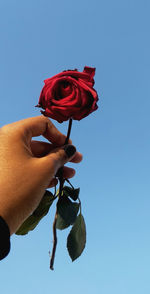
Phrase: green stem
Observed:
(80, 205)
(61, 178)
(61, 183)
(69, 131)
(54, 242)
(69, 183)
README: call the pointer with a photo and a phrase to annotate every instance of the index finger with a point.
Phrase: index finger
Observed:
(41, 125)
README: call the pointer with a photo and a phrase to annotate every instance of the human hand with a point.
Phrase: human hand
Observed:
(28, 167)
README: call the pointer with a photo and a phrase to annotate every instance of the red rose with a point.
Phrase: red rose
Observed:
(69, 94)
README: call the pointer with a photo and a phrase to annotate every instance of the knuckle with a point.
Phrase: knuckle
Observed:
(5, 131)
(46, 119)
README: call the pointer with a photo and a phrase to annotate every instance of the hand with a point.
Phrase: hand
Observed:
(28, 167)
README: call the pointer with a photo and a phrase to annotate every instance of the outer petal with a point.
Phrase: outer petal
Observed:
(90, 71)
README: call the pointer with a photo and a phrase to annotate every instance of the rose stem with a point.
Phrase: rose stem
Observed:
(61, 169)
(54, 242)
(69, 131)
(61, 183)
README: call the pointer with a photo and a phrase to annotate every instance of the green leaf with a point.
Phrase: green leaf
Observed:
(63, 223)
(71, 192)
(32, 221)
(29, 224)
(45, 203)
(77, 238)
(67, 212)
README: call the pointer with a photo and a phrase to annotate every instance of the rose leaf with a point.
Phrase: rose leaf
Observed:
(72, 193)
(67, 212)
(77, 238)
(32, 221)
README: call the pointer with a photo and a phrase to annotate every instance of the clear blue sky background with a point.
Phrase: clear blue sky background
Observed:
(40, 38)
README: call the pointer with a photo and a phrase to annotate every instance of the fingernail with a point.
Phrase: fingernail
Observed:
(70, 150)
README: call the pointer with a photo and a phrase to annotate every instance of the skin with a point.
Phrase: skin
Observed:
(28, 167)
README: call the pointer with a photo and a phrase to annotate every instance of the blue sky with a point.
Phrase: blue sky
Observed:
(40, 38)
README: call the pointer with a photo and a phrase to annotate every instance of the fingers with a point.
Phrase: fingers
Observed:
(40, 149)
(77, 158)
(68, 173)
(61, 156)
(56, 159)
(40, 125)
(53, 183)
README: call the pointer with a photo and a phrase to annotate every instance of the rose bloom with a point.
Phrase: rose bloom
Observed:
(69, 94)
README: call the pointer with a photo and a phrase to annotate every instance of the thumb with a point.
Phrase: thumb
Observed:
(58, 157)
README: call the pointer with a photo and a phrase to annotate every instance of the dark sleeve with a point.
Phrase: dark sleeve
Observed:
(4, 239)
